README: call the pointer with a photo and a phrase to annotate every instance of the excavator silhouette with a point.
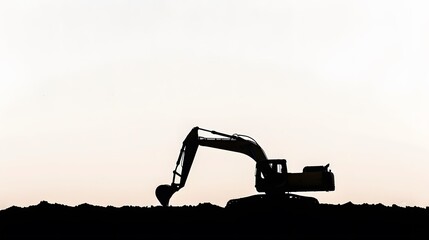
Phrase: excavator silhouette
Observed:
(272, 178)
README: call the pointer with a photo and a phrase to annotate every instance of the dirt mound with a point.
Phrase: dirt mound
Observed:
(210, 221)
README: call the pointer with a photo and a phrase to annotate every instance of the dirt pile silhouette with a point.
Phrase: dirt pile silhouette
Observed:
(56, 221)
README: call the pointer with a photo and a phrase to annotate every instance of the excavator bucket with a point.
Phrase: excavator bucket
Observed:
(164, 193)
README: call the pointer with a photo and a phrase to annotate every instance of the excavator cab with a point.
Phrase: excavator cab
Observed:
(277, 174)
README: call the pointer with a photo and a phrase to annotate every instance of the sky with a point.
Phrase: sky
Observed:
(97, 96)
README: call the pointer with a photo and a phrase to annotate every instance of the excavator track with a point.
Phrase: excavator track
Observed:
(264, 201)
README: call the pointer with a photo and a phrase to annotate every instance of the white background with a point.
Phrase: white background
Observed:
(96, 97)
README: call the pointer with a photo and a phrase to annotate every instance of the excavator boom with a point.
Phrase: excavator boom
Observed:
(189, 149)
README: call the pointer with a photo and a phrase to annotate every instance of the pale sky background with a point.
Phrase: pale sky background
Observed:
(96, 97)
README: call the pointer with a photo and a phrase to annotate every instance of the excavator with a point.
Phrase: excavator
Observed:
(271, 176)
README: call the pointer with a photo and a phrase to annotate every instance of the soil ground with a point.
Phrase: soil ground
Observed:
(208, 221)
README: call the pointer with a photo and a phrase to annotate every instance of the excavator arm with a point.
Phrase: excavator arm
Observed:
(235, 143)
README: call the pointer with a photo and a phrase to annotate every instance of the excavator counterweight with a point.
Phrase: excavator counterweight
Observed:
(271, 178)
